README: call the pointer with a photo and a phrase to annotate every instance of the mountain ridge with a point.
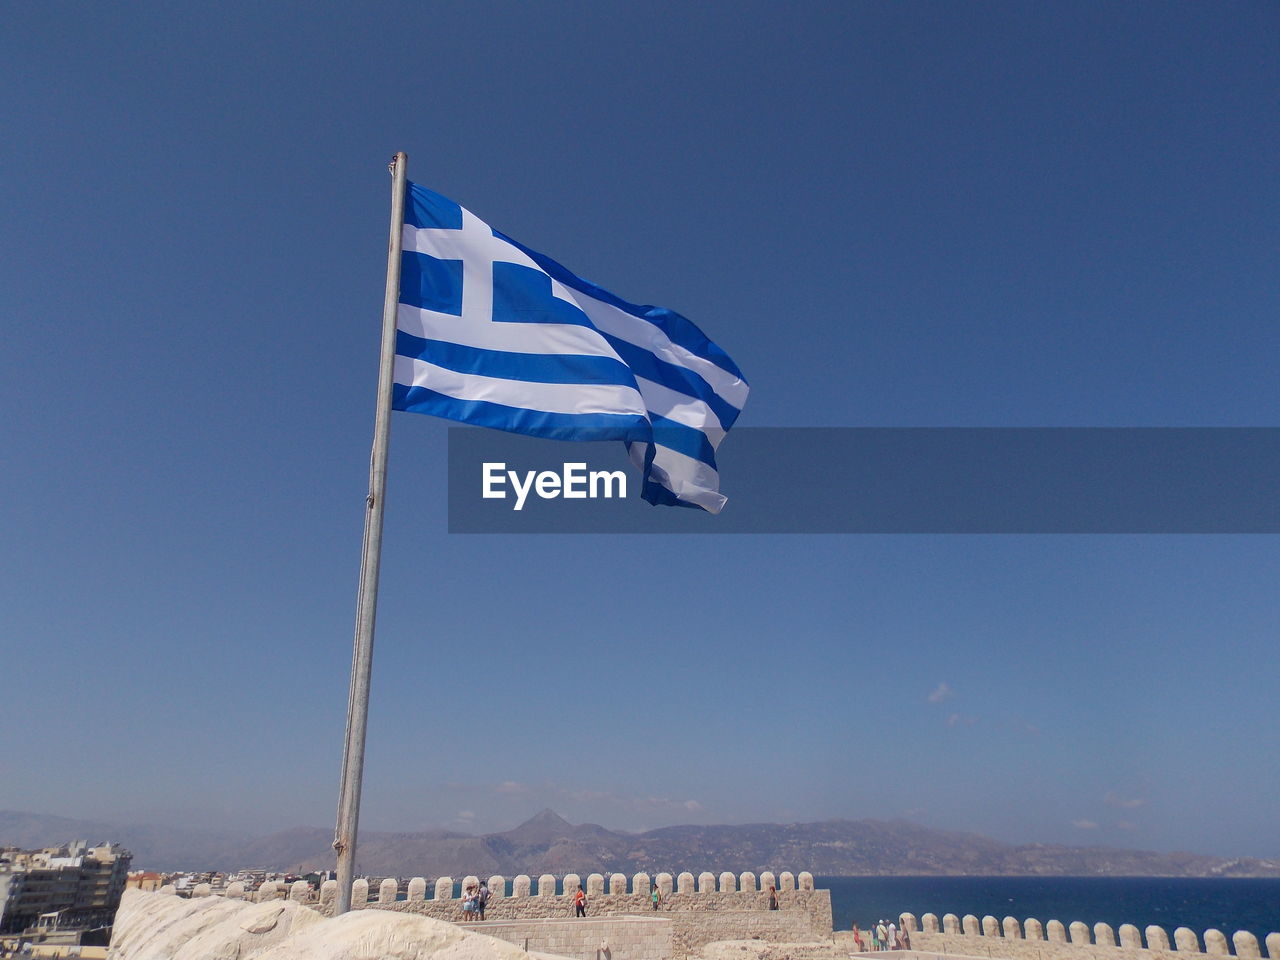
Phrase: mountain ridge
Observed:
(547, 843)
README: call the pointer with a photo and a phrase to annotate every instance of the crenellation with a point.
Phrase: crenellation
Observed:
(497, 887)
(1080, 932)
(747, 882)
(201, 890)
(300, 891)
(929, 923)
(572, 882)
(1103, 935)
(1215, 943)
(359, 892)
(640, 884)
(617, 883)
(595, 885)
(1012, 928)
(990, 926)
(1033, 929)
(1246, 945)
(767, 880)
(328, 894)
(1273, 945)
(951, 924)
(1055, 932)
(1130, 936)
(706, 882)
(663, 882)
(971, 926)
(520, 885)
(684, 882)
(417, 889)
(388, 889)
(907, 922)
(547, 885)
(444, 888)
(786, 881)
(805, 880)
(235, 890)
(1185, 940)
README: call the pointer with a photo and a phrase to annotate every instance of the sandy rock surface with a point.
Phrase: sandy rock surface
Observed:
(152, 926)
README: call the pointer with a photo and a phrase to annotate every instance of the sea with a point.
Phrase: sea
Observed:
(1222, 904)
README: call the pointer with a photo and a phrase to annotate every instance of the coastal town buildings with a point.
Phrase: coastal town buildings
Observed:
(60, 893)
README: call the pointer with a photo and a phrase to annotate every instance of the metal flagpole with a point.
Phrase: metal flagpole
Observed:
(344, 836)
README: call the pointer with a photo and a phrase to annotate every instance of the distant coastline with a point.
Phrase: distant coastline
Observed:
(547, 843)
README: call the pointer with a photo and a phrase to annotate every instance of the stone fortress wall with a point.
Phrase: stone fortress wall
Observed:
(1011, 939)
(710, 907)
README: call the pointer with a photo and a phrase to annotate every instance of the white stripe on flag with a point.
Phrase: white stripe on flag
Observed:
(549, 338)
(544, 397)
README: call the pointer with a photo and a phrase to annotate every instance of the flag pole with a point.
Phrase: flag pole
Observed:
(344, 836)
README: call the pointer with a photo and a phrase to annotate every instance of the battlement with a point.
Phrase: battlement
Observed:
(1011, 939)
(523, 885)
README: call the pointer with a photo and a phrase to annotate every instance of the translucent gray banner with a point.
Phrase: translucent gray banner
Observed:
(889, 480)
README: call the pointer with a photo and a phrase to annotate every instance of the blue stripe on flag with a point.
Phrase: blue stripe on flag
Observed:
(506, 365)
(534, 423)
(684, 439)
(426, 208)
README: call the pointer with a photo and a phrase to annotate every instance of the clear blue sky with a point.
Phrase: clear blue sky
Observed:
(1022, 214)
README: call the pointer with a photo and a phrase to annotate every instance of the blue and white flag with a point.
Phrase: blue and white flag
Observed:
(495, 334)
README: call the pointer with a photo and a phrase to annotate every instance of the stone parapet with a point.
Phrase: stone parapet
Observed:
(616, 938)
(696, 919)
(812, 907)
(1008, 939)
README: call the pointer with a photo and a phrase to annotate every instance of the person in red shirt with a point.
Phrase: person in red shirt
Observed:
(580, 902)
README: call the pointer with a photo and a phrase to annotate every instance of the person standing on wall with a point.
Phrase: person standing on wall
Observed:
(468, 904)
(482, 899)
(773, 897)
(655, 896)
(580, 902)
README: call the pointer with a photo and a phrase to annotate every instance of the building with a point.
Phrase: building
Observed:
(71, 887)
(148, 881)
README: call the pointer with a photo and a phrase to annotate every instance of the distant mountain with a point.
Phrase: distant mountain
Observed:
(548, 843)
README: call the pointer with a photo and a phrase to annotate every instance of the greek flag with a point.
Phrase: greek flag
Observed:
(492, 333)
